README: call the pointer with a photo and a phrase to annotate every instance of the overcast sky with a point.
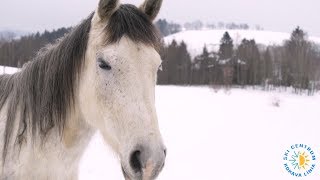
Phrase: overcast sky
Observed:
(274, 15)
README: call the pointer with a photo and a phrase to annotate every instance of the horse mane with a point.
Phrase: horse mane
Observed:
(42, 94)
(130, 21)
(43, 91)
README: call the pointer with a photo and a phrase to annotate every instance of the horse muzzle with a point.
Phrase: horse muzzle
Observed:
(144, 163)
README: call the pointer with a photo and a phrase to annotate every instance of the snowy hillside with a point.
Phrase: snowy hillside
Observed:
(239, 135)
(197, 39)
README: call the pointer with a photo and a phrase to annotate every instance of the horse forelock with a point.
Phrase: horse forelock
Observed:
(130, 21)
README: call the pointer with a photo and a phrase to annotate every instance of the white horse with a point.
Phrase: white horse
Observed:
(101, 76)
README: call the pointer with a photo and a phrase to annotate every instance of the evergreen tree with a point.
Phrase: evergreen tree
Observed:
(166, 28)
(176, 65)
(183, 64)
(267, 66)
(249, 54)
(206, 69)
(226, 47)
(162, 25)
(17, 52)
(297, 62)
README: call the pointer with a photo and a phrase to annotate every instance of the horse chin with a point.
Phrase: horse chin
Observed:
(146, 175)
(139, 177)
(126, 177)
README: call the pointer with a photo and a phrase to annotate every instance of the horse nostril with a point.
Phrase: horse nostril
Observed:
(135, 161)
(165, 152)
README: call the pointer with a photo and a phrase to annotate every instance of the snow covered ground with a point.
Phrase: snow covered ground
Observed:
(211, 38)
(226, 136)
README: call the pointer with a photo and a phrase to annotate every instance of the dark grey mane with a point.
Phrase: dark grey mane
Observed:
(43, 91)
(130, 21)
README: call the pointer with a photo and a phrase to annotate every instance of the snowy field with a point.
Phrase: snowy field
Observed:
(238, 135)
(211, 38)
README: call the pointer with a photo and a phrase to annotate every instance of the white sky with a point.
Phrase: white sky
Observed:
(274, 15)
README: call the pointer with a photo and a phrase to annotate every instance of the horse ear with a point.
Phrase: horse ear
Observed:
(107, 8)
(151, 8)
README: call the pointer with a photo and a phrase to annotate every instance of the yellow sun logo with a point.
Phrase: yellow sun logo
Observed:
(300, 160)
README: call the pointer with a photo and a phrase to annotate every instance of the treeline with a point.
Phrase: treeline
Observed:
(166, 28)
(15, 53)
(6, 36)
(294, 64)
(198, 25)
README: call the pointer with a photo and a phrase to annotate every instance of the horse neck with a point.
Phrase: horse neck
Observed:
(77, 132)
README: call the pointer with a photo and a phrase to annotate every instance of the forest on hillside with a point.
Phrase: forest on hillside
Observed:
(295, 64)
(15, 53)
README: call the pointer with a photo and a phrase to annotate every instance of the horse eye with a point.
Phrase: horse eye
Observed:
(104, 65)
